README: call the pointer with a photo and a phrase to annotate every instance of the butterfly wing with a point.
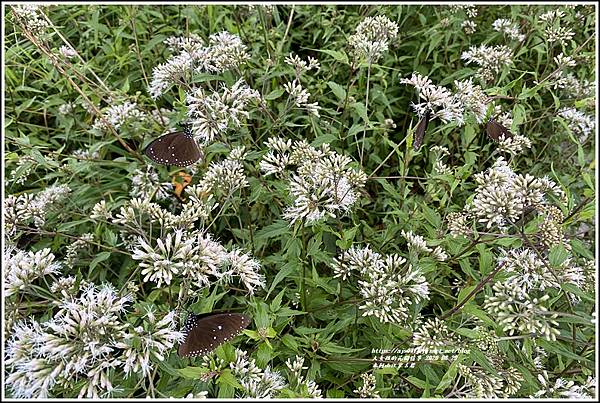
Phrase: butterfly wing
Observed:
(206, 332)
(495, 130)
(420, 131)
(176, 148)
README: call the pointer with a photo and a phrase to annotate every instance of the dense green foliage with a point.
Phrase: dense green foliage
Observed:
(303, 309)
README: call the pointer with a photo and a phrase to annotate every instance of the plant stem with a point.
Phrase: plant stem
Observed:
(472, 293)
(362, 143)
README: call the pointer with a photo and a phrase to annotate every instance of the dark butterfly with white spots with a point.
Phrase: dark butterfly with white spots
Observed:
(206, 332)
(495, 130)
(176, 148)
(420, 131)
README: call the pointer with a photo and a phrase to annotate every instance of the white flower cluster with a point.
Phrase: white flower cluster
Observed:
(67, 51)
(30, 16)
(75, 247)
(225, 176)
(307, 388)
(183, 43)
(481, 384)
(86, 154)
(445, 105)
(245, 267)
(502, 195)
(256, 382)
(368, 389)
(146, 183)
(572, 86)
(138, 214)
(268, 9)
(458, 224)
(417, 245)
(224, 52)
(25, 208)
(66, 109)
(439, 166)
(470, 9)
(83, 344)
(118, 115)
(64, 286)
(581, 124)
(565, 389)
(551, 21)
(559, 34)
(469, 26)
(23, 268)
(153, 338)
(25, 166)
(300, 66)
(101, 211)
(509, 29)
(197, 258)
(212, 115)
(521, 313)
(491, 59)
(527, 272)
(300, 97)
(323, 184)
(434, 334)
(513, 145)
(563, 61)
(551, 15)
(387, 283)
(373, 37)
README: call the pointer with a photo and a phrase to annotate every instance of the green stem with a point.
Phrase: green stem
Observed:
(362, 142)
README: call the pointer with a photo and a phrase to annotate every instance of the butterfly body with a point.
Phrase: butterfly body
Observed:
(204, 333)
(175, 148)
(495, 130)
(420, 131)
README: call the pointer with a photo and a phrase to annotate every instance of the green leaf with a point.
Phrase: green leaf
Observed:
(285, 271)
(193, 372)
(332, 348)
(263, 355)
(361, 110)
(274, 94)
(482, 360)
(558, 254)
(348, 367)
(337, 55)
(227, 384)
(417, 382)
(100, 257)
(274, 230)
(338, 90)
(449, 375)
(485, 259)
(559, 349)
(334, 394)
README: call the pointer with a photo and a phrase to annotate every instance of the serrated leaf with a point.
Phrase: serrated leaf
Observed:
(361, 110)
(338, 90)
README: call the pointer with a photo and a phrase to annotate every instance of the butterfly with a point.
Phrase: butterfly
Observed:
(176, 148)
(420, 131)
(495, 130)
(205, 332)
